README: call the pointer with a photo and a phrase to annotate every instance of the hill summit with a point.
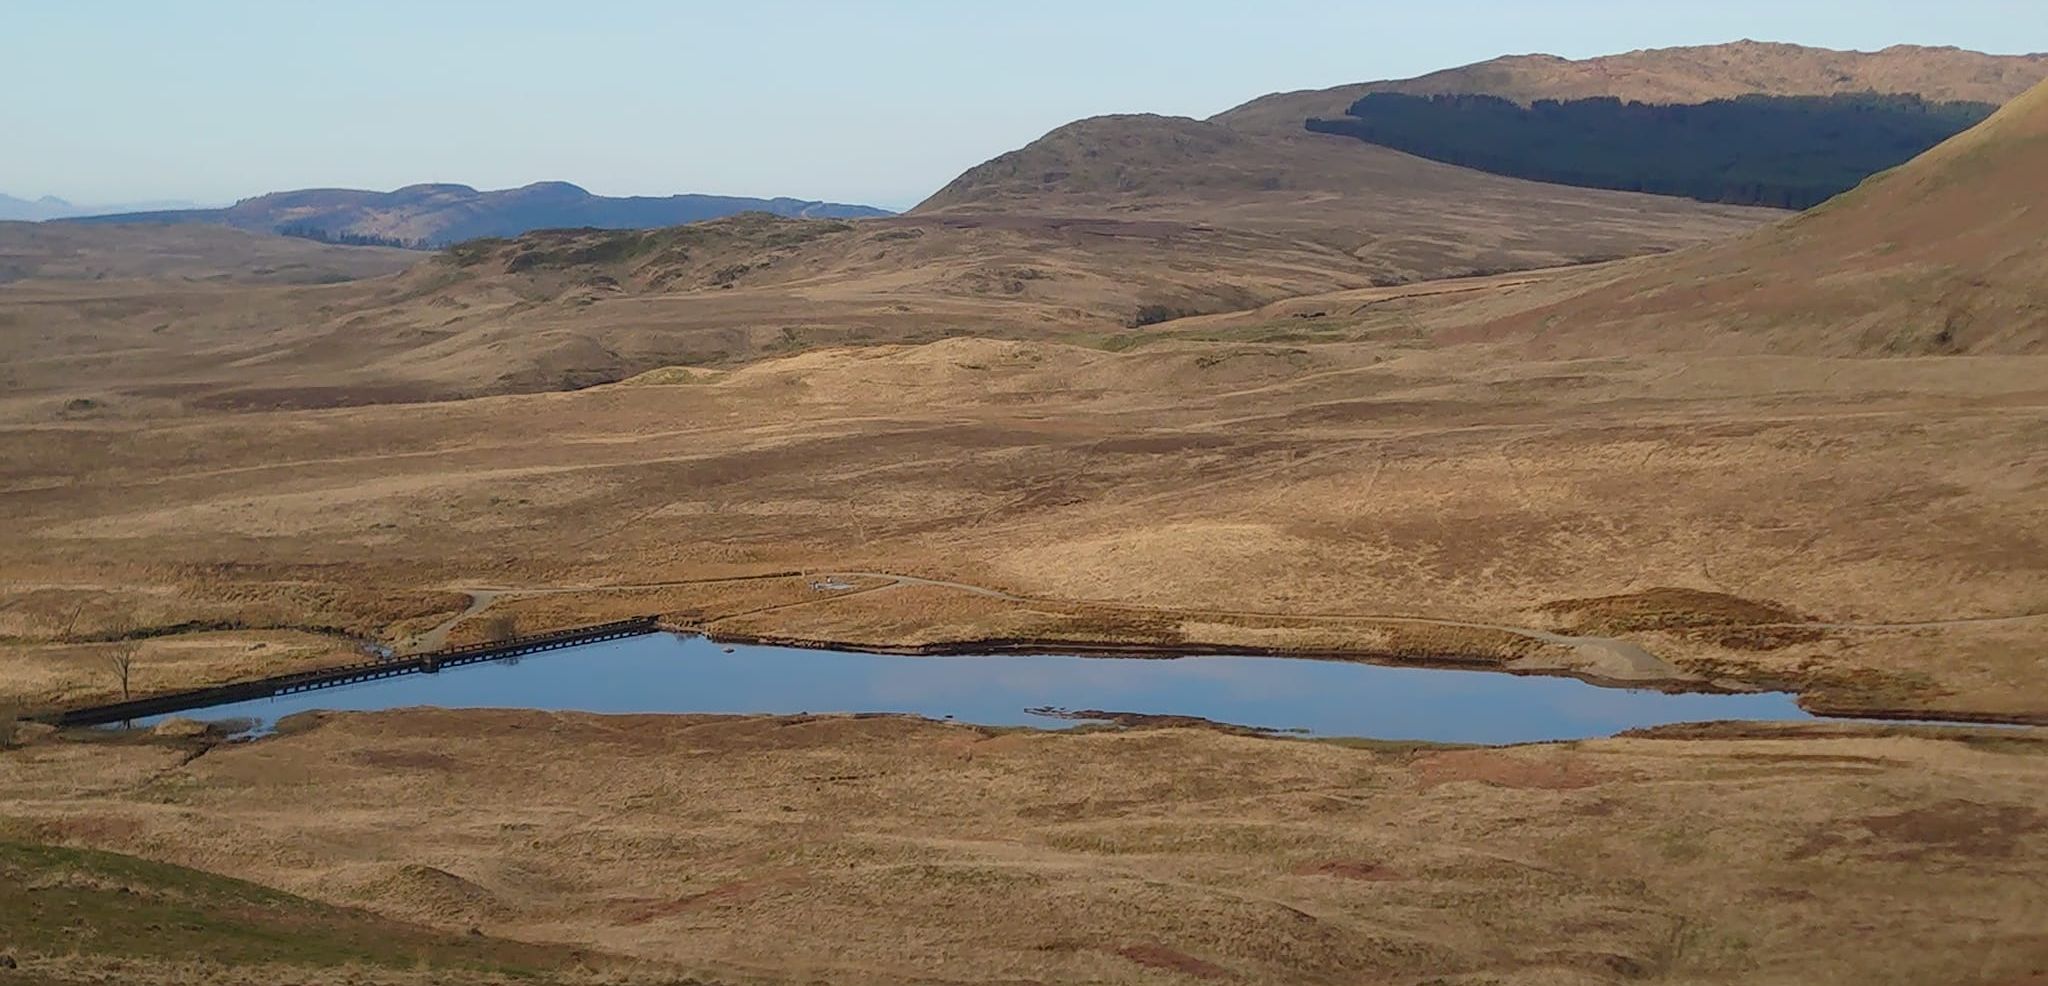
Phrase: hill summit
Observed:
(1669, 76)
(1405, 217)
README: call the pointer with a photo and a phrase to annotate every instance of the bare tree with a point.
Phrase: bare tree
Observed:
(123, 662)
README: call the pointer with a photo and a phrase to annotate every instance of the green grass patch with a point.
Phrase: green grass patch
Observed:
(58, 901)
(1113, 342)
(1390, 746)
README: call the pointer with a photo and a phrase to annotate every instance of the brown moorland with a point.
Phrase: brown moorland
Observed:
(75, 916)
(1879, 515)
(1322, 475)
(1336, 468)
(883, 850)
(1408, 217)
(565, 309)
(62, 252)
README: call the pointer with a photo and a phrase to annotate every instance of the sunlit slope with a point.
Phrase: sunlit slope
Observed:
(568, 308)
(1408, 218)
(1681, 75)
(1946, 254)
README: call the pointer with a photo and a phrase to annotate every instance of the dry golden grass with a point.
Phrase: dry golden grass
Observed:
(1402, 217)
(45, 252)
(565, 309)
(688, 604)
(941, 618)
(42, 675)
(948, 414)
(878, 850)
(1208, 480)
(58, 639)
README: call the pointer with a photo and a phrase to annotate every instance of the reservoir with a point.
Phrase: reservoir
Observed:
(668, 673)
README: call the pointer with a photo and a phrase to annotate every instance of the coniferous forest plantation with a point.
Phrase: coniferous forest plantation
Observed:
(1789, 152)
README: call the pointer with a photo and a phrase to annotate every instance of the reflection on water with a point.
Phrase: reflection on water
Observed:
(664, 673)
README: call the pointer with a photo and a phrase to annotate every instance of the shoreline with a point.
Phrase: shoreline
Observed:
(1440, 662)
(1819, 707)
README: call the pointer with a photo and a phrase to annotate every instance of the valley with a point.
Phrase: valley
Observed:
(1142, 388)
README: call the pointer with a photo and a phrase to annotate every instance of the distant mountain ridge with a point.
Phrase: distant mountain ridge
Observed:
(432, 215)
(1668, 76)
(13, 209)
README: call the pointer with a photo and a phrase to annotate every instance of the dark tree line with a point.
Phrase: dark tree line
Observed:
(1786, 151)
(307, 231)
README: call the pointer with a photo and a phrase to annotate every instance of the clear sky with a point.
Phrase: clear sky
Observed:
(877, 102)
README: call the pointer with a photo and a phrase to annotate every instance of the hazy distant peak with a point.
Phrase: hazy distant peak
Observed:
(438, 213)
(554, 188)
(432, 188)
(14, 209)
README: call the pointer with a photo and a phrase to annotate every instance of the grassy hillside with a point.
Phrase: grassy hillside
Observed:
(1392, 210)
(64, 252)
(78, 915)
(1681, 75)
(570, 308)
(1255, 167)
(1946, 254)
(807, 850)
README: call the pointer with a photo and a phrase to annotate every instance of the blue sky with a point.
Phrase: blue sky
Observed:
(876, 102)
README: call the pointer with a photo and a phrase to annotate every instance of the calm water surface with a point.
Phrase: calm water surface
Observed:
(667, 673)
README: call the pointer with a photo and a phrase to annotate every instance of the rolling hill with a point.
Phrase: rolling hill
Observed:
(1408, 218)
(14, 209)
(439, 214)
(1096, 232)
(1946, 254)
(561, 309)
(1256, 167)
(68, 252)
(982, 428)
(1680, 75)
